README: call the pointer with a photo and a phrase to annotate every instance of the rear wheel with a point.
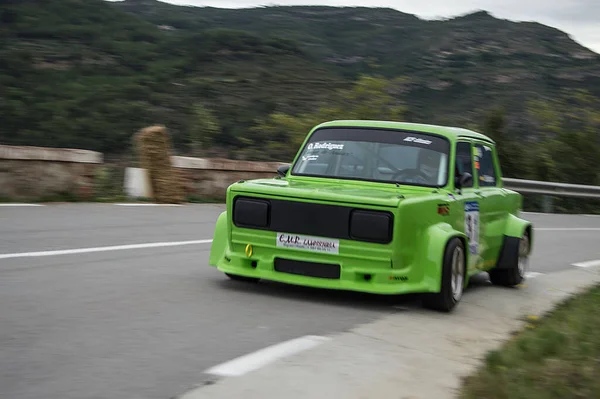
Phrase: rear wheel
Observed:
(515, 274)
(453, 279)
(242, 278)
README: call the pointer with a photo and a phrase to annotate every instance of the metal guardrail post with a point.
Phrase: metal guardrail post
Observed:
(547, 204)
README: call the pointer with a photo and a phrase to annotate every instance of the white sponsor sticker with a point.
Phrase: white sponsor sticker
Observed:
(472, 225)
(307, 243)
(325, 146)
(418, 140)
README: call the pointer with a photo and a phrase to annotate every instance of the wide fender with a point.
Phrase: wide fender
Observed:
(516, 227)
(220, 240)
(514, 230)
(435, 240)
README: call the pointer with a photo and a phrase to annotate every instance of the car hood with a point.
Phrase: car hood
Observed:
(335, 191)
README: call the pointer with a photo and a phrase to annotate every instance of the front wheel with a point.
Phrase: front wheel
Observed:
(515, 274)
(242, 278)
(453, 279)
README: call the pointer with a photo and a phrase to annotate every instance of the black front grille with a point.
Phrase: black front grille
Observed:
(320, 220)
(309, 269)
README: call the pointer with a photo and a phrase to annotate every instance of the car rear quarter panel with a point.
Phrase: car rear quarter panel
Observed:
(515, 225)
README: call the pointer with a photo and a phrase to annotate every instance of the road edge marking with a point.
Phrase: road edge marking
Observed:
(529, 275)
(587, 263)
(18, 204)
(145, 204)
(102, 249)
(566, 229)
(262, 357)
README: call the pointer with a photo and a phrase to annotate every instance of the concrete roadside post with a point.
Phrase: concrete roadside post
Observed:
(137, 183)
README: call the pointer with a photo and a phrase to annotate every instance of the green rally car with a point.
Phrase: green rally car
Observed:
(378, 207)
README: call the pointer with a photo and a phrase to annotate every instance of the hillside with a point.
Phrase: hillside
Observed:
(81, 73)
(88, 73)
(449, 65)
(381, 39)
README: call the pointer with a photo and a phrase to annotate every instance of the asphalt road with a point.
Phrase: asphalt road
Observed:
(145, 323)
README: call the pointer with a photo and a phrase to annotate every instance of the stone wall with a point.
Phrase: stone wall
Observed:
(36, 173)
(209, 178)
(40, 173)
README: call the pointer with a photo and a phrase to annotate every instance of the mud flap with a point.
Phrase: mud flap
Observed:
(509, 254)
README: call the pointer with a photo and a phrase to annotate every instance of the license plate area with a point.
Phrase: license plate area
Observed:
(308, 269)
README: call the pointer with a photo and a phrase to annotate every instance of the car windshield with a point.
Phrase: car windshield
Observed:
(381, 155)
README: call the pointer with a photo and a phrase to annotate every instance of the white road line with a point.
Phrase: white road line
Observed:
(146, 204)
(102, 249)
(533, 274)
(589, 263)
(262, 357)
(559, 214)
(16, 204)
(566, 228)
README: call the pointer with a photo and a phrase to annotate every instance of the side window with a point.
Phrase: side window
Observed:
(464, 160)
(484, 163)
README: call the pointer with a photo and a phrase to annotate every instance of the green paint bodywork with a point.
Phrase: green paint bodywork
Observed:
(412, 262)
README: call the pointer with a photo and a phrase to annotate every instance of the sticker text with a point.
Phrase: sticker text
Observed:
(314, 244)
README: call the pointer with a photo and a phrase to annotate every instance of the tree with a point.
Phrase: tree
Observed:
(509, 149)
(569, 126)
(204, 128)
(570, 145)
(369, 98)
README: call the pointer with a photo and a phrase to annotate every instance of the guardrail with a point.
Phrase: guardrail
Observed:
(551, 188)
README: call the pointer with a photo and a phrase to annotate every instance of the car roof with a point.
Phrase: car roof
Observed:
(450, 132)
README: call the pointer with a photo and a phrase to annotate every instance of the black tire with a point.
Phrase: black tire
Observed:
(243, 278)
(505, 277)
(444, 300)
(514, 275)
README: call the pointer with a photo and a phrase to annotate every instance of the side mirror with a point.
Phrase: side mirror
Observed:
(464, 180)
(282, 170)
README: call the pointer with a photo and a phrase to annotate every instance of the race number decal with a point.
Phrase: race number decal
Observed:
(472, 225)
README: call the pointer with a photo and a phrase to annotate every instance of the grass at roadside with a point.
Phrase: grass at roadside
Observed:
(555, 357)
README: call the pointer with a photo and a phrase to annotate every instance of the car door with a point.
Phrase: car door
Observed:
(492, 201)
(469, 203)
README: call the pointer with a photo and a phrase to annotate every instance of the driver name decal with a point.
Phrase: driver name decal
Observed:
(307, 243)
(325, 146)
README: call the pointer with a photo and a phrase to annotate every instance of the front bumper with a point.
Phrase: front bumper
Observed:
(363, 267)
